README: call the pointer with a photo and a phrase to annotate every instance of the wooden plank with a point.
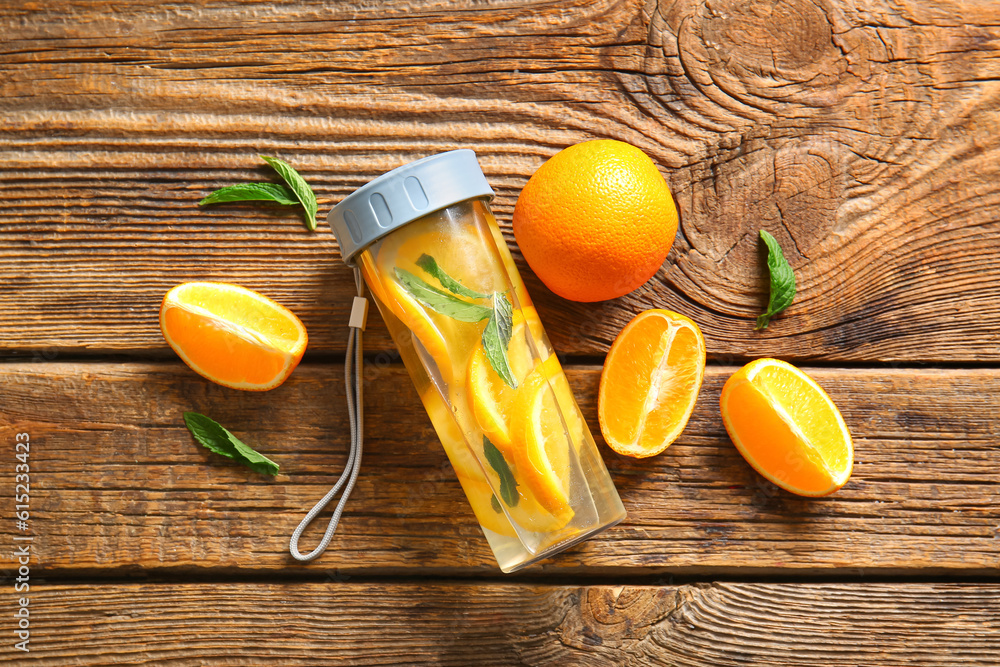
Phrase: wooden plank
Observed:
(868, 145)
(119, 485)
(423, 624)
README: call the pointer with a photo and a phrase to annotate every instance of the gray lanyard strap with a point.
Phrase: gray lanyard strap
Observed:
(353, 367)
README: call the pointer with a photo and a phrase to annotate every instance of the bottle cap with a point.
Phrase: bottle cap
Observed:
(404, 195)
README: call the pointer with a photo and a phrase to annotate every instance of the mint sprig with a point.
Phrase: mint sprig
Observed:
(496, 335)
(442, 302)
(782, 281)
(215, 437)
(296, 192)
(508, 485)
(430, 265)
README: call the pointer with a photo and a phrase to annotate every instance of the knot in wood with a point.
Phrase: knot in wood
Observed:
(616, 616)
(753, 57)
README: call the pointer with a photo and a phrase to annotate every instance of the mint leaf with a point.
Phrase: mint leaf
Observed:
(495, 504)
(782, 281)
(430, 265)
(496, 337)
(252, 192)
(298, 185)
(508, 485)
(442, 302)
(297, 192)
(213, 436)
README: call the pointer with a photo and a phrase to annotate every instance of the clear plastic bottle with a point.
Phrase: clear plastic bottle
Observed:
(436, 264)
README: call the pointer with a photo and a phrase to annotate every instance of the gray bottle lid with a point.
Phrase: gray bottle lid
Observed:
(403, 195)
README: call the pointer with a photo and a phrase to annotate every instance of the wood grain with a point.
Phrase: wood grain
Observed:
(868, 144)
(119, 486)
(864, 136)
(785, 625)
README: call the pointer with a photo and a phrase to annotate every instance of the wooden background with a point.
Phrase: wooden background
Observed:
(864, 135)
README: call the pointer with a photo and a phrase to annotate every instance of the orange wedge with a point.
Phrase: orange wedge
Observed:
(650, 382)
(787, 428)
(232, 335)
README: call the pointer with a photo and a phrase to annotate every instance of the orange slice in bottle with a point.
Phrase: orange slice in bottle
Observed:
(430, 331)
(470, 475)
(650, 382)
(490, 398)
(527, 513)
(459, 251)
(232, 335)
(459, 248)
(541, 442)
(434, 332)
(787, 428)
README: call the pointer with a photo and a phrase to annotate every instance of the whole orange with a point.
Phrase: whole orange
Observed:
(596, 220)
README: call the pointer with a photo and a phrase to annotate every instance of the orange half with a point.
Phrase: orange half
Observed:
(232, 335)
(787, 428)
(650, 382)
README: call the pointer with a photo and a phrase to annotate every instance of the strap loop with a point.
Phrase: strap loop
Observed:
(353, 367)
(359, 313)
